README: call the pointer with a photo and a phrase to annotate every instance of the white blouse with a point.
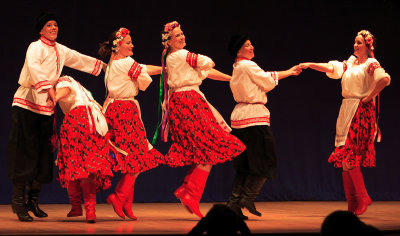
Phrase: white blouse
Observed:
(358, 81)
(125, 78)
(249, 85)
(79, 96)
(187, 69)
(43, 65)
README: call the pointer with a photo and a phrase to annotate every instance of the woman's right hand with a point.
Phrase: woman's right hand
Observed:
(304, 65)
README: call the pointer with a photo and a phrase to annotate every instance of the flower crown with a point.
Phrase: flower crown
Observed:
(166, 33)
(119, 36)
(368, 38)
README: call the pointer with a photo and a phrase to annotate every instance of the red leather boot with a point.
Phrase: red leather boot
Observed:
(74, 193)
(127, 208)
(89, 196)
(194, 190)
(179, 192)
(121, 194)
(360, 192)
(349, 192)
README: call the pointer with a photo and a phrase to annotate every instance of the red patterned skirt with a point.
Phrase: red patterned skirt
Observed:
(359, 148)
(197, 137)
(127, 133)
(81, 152)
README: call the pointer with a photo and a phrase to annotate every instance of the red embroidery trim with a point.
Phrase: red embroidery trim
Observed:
(344, 66)
(250, 121)
(372, 67)
(191, 59)
(32, 105)
(97, 67)
(53, 44)
(41, 84)
(135, 71)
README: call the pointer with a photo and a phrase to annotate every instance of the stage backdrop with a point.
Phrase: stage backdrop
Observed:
(284, 33)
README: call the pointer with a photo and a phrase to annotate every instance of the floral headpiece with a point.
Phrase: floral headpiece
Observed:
(119, 36)
(166, 34)
(368, 37)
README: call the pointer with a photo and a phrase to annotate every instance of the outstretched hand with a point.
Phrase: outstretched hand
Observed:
(295, 70)
(304, 65)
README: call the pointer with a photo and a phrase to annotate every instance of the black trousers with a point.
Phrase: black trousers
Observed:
(259, 158)
(29, 152)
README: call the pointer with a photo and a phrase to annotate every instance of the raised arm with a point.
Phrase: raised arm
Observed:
(295, 70)
(217, 75)
(153, 70)
(322, 67)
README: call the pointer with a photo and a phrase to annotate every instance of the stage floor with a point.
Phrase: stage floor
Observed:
(172, 219)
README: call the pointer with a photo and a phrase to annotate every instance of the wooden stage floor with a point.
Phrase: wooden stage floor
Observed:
(281, 218)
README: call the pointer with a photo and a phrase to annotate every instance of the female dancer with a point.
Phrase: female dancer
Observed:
(362, 79)
(199, 134)
(29, 154)
(124, 78)
(250, 122)
(83, 154)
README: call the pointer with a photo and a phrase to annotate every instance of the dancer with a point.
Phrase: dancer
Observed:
(124, 78)
(362, 80)
(199, 134)
(29, 154)
(83, 153)
(250, 121)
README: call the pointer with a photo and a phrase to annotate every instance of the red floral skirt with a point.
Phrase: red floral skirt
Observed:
(81, 152)
(197, 137)
(359, 148)
(127, 133)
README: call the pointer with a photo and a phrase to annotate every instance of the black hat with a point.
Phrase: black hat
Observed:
(236, 43)
(42, 19)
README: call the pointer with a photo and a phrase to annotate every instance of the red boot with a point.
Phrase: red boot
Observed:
(127, 208)
(194, 190)
(122, 192)
(89, 196)
(74, 193)
(179, 192)
(360, 191)
(349, 192)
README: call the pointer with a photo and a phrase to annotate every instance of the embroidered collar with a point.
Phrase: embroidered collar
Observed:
(241, 58)
(47, 41)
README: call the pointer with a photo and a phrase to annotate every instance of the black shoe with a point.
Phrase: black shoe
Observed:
(235, 196)
(32, 205)
(18, 208)
(251, 188)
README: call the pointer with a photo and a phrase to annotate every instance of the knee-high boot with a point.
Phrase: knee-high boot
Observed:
(349, 192)
(32, 201)
(121, 194)
(361, 194)
(179, 192)
(234, 198)
(194, 190)
(18, 202)
(89, 196)
(74, 193)
(251, 188)
(127, 207)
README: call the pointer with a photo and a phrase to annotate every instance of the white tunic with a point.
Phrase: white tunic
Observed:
(249, 85)
(79, 96)
(43, 65)
(358, 81)
(186, 71)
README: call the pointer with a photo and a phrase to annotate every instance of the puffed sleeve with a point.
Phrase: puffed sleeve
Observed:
(199, 61)
(338, 69)
(81, 62)
(374, 69)
(264, 79)
(137, 72)
(64, 82)
(34, 56)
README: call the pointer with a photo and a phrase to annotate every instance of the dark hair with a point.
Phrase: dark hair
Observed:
(42, 19)
(346, 223)
(105, 47)
(221, 220)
